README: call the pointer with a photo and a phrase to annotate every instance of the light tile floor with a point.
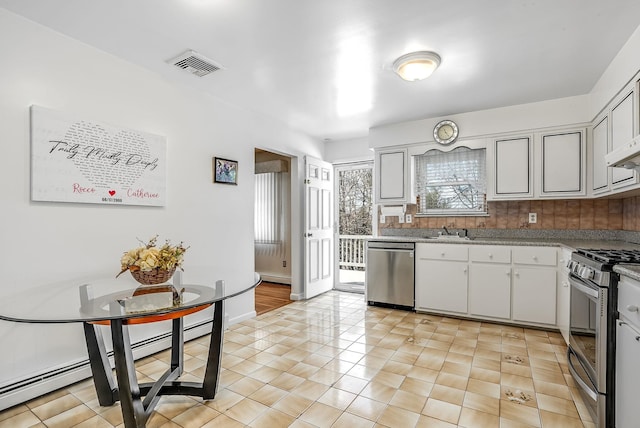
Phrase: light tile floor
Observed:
(334, 362)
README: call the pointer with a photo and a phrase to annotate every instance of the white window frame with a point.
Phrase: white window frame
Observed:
(481, 210)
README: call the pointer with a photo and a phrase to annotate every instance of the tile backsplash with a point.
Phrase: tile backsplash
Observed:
(570, 214)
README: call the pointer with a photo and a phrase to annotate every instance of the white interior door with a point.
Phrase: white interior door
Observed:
(318, 227)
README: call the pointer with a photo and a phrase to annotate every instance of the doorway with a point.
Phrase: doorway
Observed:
(354, 211)
(272, 229)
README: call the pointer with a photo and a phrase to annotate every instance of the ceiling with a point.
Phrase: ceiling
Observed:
(323, 67)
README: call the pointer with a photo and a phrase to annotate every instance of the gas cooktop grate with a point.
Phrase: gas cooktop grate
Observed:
(611, 256)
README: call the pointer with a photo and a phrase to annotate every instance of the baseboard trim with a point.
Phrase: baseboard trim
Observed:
(296, 296)
(275, 278)
(243, 317)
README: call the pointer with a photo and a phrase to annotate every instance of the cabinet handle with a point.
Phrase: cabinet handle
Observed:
(535, 258)
(490, 255)
(508, 273)
(632, 308)
(442, 254)
(516, 273)
(464, 270)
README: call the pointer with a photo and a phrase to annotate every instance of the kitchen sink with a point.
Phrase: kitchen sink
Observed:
(450, 238)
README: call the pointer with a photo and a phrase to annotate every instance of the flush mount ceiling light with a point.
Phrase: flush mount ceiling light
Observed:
(416, 65)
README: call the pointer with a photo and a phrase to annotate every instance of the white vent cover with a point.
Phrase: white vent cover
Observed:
(195, 63)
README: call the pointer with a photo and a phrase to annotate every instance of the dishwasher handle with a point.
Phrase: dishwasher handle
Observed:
(389, 245)
(391, 250)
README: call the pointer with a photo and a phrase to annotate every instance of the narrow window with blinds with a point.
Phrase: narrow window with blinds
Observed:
(451, 183)
(268, 208)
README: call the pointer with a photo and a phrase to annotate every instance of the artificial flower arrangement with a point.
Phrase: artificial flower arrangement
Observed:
(149, 264)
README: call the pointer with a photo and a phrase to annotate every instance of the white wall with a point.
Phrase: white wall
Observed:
(519, 118)
(51, 242)
(623, 67)
(353, 150)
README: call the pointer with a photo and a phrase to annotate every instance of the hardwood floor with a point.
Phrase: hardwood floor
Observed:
(270, 295)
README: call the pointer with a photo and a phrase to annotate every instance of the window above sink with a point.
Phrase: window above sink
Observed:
(451, 183)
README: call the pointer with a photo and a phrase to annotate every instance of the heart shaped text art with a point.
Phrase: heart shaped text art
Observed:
(106, 159)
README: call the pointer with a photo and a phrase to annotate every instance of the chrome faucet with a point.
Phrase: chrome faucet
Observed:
(445, 230)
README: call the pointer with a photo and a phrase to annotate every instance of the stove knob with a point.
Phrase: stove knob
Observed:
(586, 272)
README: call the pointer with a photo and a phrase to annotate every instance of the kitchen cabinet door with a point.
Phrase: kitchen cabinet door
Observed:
(599, 167)
(490, 290)
(622, 121)
(392, 176)
(441, 285)
(563, 297)
(562, 170)
(534, 294)
(512, 168)
(627, 376)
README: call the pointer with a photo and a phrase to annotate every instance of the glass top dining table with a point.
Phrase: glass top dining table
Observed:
(119, 303)
(112, 298)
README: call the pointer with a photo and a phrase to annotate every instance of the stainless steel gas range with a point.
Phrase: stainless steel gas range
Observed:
(591, 353)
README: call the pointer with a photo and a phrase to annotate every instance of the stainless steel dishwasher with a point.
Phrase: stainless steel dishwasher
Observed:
(389, 279)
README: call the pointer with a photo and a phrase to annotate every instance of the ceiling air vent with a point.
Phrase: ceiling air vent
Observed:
(195, 63)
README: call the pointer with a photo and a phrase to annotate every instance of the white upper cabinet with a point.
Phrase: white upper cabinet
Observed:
(392, 172)
(600, 146)
(615, 127)
(510, 168)
(561, 169)
(622, 122)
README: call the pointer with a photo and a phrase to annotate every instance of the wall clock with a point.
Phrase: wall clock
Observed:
(445, 132)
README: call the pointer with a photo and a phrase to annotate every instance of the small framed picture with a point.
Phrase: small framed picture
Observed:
(225, 171)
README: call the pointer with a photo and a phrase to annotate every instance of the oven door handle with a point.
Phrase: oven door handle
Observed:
(583, 288)
(590, 392)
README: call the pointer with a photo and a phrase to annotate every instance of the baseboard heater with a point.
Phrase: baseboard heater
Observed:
(42, 383)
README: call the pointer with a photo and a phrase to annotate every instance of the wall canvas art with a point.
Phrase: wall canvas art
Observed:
(225, 171)
(83, 161)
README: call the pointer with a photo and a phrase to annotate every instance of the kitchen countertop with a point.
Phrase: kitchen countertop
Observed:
(630, 270)
(571, 244)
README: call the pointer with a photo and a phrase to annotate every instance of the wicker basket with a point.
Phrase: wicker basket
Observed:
(151, 277)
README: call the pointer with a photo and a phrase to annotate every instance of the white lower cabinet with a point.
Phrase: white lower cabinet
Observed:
(563, 298)
(441, 277)
(496, 282)
(534, 284)
(490, 281)
(490, 290)
(627, 411)
(446, 287)
(534, 295)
